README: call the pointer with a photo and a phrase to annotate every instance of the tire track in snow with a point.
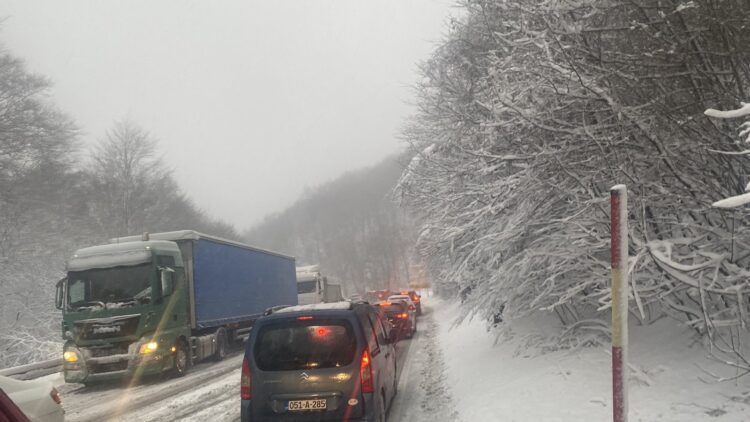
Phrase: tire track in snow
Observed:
(112, 403)
(423, 395)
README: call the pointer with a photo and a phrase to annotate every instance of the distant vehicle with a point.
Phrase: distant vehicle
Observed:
(144, 305)
(312, 287)
(398, 314)
(321, 362)
(416, 298)
(403, 298)
(37, 399)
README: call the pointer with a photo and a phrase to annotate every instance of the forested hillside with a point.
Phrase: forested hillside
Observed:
(57, 195)
(531, 111)
(350, 226)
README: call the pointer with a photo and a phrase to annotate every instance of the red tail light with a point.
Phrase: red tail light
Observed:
(245, 381)
(403, 316)
(55, 395)
(365, 373)
(417, 299)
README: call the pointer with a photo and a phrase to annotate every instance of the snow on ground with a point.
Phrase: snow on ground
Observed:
(422, 396)
(491, 382)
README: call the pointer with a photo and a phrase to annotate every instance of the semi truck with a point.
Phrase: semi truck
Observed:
(155, 303)
(312, 287)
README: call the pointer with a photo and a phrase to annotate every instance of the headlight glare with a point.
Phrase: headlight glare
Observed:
(149, 347)
(70, 356)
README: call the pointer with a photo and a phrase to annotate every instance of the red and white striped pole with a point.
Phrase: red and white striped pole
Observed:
(619, 257)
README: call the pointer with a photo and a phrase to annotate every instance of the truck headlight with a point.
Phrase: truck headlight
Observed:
(149, 347)
(70, 356)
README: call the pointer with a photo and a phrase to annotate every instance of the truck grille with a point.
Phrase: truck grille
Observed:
(98, 368)
(108, 351)
(92, 329)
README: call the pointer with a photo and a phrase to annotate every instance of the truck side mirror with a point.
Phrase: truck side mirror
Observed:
(59, 293)
(167, 281)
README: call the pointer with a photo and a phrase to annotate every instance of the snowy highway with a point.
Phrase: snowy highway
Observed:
(210, 391)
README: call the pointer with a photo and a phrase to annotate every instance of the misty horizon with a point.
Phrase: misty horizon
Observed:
(244, 140)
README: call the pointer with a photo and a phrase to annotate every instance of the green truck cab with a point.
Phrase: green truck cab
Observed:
(124, 311)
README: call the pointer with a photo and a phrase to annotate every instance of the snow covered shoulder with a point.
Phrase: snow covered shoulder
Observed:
(525, 378)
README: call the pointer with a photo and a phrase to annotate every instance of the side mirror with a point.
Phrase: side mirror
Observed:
(167, 281)
(59, 293)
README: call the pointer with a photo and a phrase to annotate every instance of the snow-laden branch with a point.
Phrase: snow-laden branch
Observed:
(729, 114)
(733, 201)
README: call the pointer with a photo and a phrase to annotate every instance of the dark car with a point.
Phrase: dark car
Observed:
(321, 362)
(416, 298)
(404, 322)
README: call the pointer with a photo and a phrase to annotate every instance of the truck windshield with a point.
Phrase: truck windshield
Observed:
(305, 286)
(109, 287)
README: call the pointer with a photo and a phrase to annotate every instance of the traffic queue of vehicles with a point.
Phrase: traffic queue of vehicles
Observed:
(325, 362)
(160, 302)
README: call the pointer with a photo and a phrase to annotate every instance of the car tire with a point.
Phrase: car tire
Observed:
(181, 361)
(221, 345)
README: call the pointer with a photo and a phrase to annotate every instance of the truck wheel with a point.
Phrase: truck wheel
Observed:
(221, 344)
(181, 359)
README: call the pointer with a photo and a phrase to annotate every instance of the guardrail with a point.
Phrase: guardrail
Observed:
(33, 370)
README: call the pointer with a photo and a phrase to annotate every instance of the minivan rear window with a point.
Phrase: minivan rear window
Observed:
(305, 344)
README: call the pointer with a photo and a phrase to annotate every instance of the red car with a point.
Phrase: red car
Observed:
(416, 298)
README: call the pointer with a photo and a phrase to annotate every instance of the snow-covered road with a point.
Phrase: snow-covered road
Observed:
(211, 390)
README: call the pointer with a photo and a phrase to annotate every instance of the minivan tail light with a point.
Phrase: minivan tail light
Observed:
(365, 373)
(246, 381)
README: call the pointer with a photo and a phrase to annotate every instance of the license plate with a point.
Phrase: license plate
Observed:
(295, 405)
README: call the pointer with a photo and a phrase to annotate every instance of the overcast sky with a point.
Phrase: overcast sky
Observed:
(251, 101)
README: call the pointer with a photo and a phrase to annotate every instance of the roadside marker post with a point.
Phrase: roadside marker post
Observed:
(619, 259)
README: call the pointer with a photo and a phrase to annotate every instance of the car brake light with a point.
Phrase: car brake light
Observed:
(417, 299)
(304, 318)
(55, 395)
(403, 316)
(245, 381)
(365, 373)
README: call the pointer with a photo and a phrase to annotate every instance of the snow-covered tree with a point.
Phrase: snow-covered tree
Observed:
(530, 111)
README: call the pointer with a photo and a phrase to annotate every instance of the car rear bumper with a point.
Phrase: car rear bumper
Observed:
(246, 413)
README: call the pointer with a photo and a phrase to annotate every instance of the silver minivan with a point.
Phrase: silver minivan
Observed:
(321, 362)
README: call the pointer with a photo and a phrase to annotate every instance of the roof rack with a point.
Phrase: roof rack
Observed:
(273, 309)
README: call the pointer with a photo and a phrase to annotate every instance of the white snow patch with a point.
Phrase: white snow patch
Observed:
(501, 382)
(733, 201)
(730, 114)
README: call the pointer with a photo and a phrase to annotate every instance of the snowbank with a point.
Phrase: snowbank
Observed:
(495, 382)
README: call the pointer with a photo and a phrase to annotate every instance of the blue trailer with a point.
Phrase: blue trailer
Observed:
(151, 303)
(229, 282)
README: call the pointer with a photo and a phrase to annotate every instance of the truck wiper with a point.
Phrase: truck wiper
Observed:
(79, 305)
